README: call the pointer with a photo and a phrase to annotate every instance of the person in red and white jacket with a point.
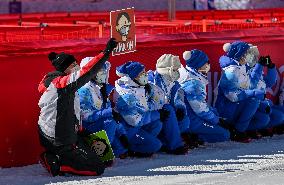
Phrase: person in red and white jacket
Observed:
(59, 120)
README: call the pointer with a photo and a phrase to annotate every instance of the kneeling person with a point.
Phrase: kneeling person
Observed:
(138, 103)
(96, 109)
(204, 120)
(59, 120)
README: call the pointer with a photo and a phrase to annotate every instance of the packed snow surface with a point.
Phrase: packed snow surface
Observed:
(257, 163)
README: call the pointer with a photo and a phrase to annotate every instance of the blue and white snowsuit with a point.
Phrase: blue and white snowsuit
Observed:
(267, 115)
(174, 99)
(97, 114)
(281, 99)
(236, 102)
(140, 113)
(204, 119)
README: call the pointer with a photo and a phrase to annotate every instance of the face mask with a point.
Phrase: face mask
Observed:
(175, 75)
(143, 80)
(250, 59)
(124, 30)
(101, 77)
(206, 70)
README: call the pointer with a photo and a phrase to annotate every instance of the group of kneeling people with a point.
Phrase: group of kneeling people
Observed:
(152, 111)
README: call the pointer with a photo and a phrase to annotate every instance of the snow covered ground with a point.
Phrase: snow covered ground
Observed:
(257, 163)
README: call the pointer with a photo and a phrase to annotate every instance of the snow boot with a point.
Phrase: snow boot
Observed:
(266, 132)
(240, 137)
(182, 150)
(254, 134)
(140, 155)
(50, 161)
(279, 130)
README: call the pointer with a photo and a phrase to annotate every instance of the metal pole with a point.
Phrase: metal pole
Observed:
(171, 10)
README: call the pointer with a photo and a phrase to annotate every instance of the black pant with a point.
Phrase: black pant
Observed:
(77, 158)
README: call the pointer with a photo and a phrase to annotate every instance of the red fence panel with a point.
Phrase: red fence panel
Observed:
(24, 64)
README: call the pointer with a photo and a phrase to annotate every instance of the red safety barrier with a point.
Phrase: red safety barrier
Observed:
(24, 64)
(93, 25)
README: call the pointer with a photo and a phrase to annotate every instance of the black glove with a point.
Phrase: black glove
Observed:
(266, 61)
(124, 141)
(147, 88)
(116, 116)
(84, 133)
(180, 114)
(270, 64)
(267, 109)
(111, 44)
(104, 93)
(164, 114)
(263, 61)
(224, 124)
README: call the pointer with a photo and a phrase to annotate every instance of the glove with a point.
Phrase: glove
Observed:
(270, 65)
(259, 94)
(111, 44)
(264, 107)
(164, 114)
(267, 110)
(226, 125)
(263, 61)
(104, 94)
(222, 123)
(124, 141)
(180, 114)
(116, 116)
(147, 88)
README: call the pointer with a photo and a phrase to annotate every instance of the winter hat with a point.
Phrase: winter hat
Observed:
(236, 50)
(166, 63)
(61, 61)
(131, 69)
(86, 60)
(254, 50)
(195, 58)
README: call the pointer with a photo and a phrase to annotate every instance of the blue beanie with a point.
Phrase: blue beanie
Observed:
(236, 50)
(131, 69)
(195, 58)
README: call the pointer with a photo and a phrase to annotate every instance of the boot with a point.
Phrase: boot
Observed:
(182, 150)
(240, 137)
(266, 132)
(139, 154)
(123, 156)
(279, 130)
(50, 161)
(254, 134)
(188, 141)
(108, 163)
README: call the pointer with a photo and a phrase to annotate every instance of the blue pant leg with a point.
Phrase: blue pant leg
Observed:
(153, 128)
(117, 147)
(110, 127)
(93, 127)
(120, 130)
(170, 134)
(130, 130)
(184, 125)
(260, 120)
(226, 108)
(279, 107)
(276, 117)
(244, 113)
(107, 124)
(209, 133)
(144, 142)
